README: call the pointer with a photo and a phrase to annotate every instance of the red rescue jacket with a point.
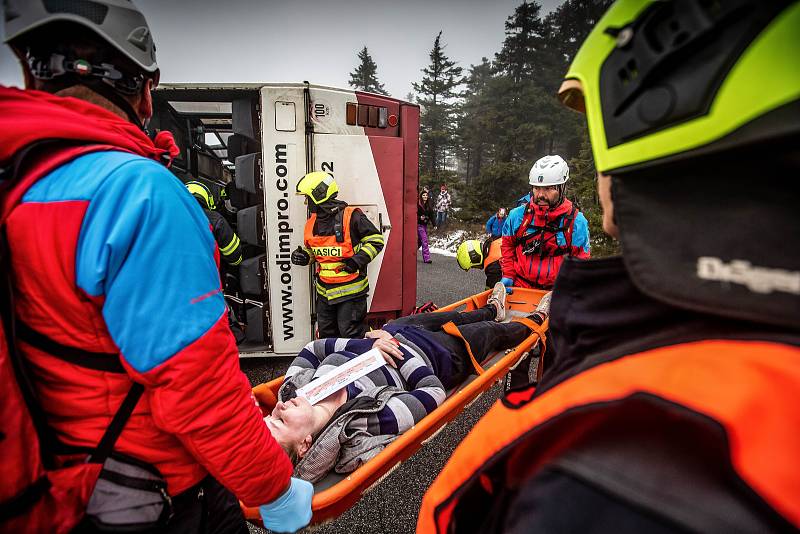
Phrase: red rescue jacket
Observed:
(170, 428)
(532, 249)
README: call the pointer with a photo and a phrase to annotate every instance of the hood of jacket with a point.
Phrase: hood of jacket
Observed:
(28, 116)
(337, 447)
(543, 215)
(327, 208)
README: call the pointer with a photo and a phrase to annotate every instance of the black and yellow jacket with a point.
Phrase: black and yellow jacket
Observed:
(367, 243)
(230, 248)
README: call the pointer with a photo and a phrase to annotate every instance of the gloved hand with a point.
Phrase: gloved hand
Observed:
(350, 265)
(300, 256)
(508, 282)
(292, 510)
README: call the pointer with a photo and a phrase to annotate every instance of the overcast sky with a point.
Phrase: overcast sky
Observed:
(314, 40)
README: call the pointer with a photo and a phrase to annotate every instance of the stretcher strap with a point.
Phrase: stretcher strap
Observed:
(536, 328)
(475, 302)
(452, 329)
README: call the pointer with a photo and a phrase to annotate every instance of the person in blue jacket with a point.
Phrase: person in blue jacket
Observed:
(494, 226)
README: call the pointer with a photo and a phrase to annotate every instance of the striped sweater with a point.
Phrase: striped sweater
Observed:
(424, 391)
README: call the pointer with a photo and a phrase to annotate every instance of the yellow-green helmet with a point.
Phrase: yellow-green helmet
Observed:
(470, 254)
(667, 80)
(319, 186)
(202, 193)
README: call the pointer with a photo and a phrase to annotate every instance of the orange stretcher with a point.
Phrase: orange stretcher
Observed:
(336, 493)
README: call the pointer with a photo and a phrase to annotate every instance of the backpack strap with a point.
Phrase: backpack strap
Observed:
(47, 437)
(568, 226)
(10, 174)
(99, 361)
(567, 223)
(109, 439)
(526, 220)
(16, 329)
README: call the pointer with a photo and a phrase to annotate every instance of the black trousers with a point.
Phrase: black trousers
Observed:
(343, 319)
(206, 508)
(478, 327)
(493, 274)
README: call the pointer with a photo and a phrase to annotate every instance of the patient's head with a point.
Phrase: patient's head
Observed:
(292, 423)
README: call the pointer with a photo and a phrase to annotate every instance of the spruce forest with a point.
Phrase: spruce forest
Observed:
(482, 127)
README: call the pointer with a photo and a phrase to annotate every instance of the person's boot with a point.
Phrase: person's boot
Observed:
(498, 300)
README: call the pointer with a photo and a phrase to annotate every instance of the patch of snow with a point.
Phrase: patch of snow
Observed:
(447, 243)
(442, 251)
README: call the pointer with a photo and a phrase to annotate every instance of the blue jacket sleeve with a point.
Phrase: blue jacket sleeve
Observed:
(513, 221)
(147, 249)
(580, 235)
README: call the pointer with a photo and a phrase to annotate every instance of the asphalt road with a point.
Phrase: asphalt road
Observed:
(392, 507)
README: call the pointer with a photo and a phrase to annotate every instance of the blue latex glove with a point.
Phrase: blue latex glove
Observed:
(292, 510)
(508, 282)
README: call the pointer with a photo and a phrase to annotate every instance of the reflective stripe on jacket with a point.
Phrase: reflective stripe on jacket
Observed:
(230, 247)
(329, 253)
(366, 242)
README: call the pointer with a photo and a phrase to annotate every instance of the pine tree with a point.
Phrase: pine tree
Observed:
(438, 96)
(475, 118)
(365, 77)
(510, 116)
(525, 39)
(571, 23)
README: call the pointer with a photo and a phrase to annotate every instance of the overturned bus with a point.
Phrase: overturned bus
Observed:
(250, 144)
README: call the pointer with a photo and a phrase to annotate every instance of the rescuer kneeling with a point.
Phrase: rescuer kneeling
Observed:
(342, 241)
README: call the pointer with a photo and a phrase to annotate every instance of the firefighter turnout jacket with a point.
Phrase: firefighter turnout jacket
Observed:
(230, 247)
(334, 234)
(693, 421)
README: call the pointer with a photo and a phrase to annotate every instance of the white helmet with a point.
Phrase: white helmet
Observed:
(549, 170)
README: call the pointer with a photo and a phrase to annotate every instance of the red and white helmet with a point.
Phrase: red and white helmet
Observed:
(549, 170)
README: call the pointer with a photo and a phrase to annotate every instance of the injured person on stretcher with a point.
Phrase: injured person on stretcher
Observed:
(354, 424)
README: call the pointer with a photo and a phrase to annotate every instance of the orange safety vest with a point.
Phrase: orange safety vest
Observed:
(330, 253)
(748, 388)
(495, 252)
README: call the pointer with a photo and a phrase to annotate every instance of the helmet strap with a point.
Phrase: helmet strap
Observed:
(562, 190)
(104, 79)
(106, 91)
